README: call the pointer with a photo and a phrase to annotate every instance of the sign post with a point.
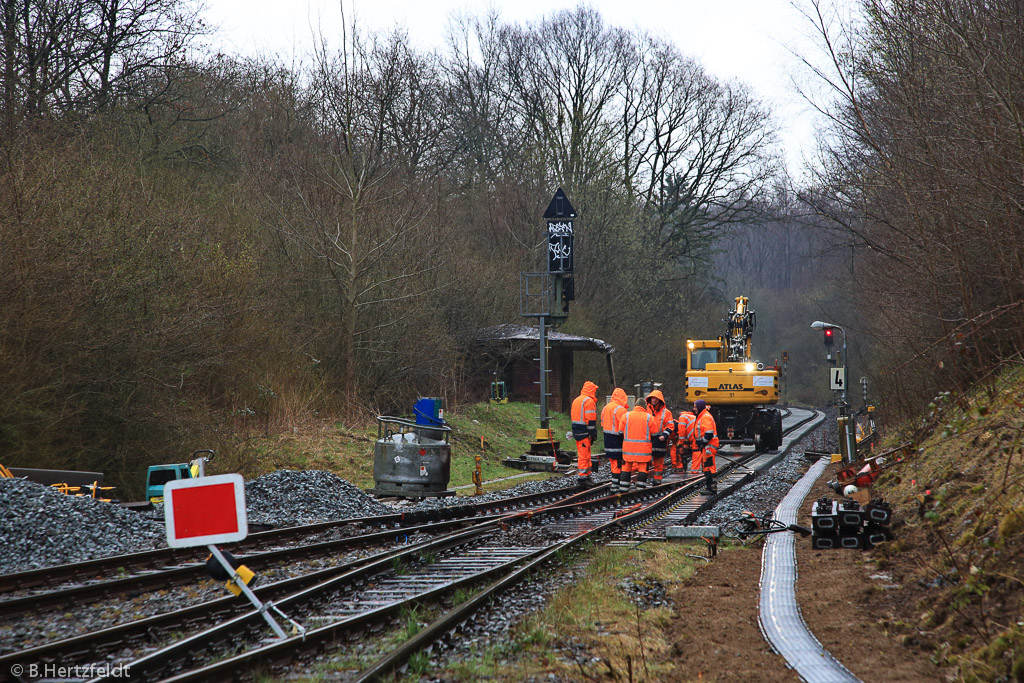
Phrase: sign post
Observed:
(785, 384)
(209, 510)
(550, 305)
(837, 379)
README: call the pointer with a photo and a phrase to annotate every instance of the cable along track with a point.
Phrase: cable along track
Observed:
(780, 620)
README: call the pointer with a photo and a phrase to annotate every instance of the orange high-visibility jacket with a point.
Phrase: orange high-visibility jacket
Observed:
(705, 424)
(636, 435)
(685, 428)
(661, 420)
(610, 416)
(584, 413)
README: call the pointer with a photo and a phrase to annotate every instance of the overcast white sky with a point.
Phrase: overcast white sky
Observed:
(749, 40)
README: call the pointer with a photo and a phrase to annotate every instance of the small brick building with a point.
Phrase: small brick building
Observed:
(508, 353)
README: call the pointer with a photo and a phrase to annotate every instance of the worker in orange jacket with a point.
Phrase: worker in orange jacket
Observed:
(584, 430)
(685, 455)
(610, 416)
(636, 445)
(663, 426)
(706, 440)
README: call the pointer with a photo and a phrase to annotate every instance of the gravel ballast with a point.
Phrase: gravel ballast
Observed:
(289, 498)
(41, 526)
(764, 493)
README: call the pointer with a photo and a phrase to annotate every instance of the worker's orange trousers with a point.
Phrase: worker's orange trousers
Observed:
(615, 463)
(659, 468)
(583, 457)
(697, 460)
(684, 455)
(704, 460)
(635, 465)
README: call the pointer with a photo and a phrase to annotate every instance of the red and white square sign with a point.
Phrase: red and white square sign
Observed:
(205, 510)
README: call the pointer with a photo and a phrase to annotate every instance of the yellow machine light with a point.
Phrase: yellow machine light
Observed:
(245, 574)
(750, 367)
(690, 345)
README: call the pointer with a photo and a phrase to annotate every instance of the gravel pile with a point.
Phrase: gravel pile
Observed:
(645, 592)
(287, 498)
(41, 526)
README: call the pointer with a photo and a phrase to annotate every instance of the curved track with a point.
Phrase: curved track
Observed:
(80, 572)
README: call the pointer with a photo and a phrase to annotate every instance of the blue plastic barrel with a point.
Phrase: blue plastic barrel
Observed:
(428, 412)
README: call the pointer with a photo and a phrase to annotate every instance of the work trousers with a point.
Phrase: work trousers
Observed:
(685, 457)
(706, 459)
(629, 467)
(583, 457)
(658, 461)
(697, 460)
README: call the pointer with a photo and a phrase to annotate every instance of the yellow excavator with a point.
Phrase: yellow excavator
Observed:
(740, 391)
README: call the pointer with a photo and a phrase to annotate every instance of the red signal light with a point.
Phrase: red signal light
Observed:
(828, 336)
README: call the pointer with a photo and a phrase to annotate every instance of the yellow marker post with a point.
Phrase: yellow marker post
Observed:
(478, 475)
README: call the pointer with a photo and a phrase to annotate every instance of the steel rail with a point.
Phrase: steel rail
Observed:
(77, 648)
(178, 575)
(82, 643)
(315, 640)
(174, 557)
(153, 665)
(449, 620)
(168, 660)
(453, 618)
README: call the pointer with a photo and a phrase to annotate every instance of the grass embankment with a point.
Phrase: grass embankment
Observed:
(592, 629)
(347, 450)
(959, 553)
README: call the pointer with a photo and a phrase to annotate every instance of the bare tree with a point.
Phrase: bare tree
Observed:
(352, 195)
(80, 55)
(924, 177)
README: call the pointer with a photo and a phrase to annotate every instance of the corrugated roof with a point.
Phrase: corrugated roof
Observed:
(512, 332)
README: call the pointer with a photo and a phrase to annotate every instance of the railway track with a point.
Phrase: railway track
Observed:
(350, 605)
(338, 602)
(150, 560)
(150, 629)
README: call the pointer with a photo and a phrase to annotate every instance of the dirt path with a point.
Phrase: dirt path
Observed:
(845, 599)
(717, 635)
(716, 622)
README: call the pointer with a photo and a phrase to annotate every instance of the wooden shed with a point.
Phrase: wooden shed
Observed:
(509, 353)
